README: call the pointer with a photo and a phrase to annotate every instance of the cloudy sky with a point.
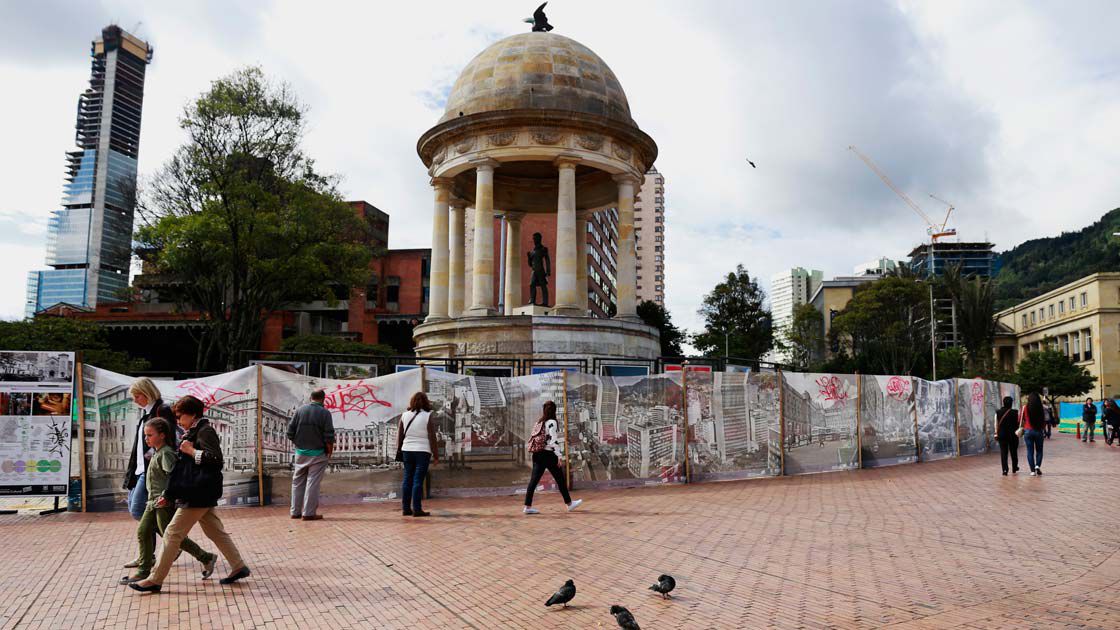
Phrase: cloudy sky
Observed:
(1011, 110)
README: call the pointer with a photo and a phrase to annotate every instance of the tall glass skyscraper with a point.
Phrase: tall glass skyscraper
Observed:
(89, 240)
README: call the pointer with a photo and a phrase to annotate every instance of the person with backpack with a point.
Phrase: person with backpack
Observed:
(416, 449)
(1089, 419)
(543, 442)
(1007, 421)
(1032, 421)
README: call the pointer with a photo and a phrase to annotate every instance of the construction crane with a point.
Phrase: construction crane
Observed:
(934, 230)
(948, 212)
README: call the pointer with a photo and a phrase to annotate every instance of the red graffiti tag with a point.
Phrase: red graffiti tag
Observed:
(898, 388)
(830, 389)
(978, 394)
(356, 398)
(208, 394)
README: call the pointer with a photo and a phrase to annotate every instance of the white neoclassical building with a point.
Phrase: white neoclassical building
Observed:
(536, 123)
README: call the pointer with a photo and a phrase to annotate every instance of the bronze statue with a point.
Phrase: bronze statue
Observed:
(541, 266)
(539, 20)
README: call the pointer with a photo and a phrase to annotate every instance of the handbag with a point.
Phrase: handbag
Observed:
(194, 484)
(1019, 432)
(400, 440)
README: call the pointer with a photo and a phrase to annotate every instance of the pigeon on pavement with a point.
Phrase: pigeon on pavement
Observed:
(564, 595)
(624, 619)
(665, 583)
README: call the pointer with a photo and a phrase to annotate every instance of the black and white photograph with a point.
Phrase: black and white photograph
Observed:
(349, 371)
(38, 369)
(738, 414)
(887, 433)
(937, 435)
(819, 411)
(971, 412)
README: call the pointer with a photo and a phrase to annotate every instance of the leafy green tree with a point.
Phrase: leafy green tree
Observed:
(1052, 371)
(326, 344)
(241, 220)
(950, 363)
(64, 334)
(653, 314)
(804, 337)
(885, 326)
(734, 318)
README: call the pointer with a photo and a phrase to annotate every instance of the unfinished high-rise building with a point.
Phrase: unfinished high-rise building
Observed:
(89, 240)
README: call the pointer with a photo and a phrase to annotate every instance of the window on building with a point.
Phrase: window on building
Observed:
(658, 248)
(1076, 347)
(1024, 320)
(1032, 318)
(1072, 306)
(658, 228)
(1061, 307)
(658, 258)
(1065, 345)
(1041, 314)
(1088, 343)
(1084, 299)
(1051, 309)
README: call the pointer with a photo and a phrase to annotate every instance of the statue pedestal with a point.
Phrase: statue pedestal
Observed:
(533, 309)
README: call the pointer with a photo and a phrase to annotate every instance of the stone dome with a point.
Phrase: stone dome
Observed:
(538, 71)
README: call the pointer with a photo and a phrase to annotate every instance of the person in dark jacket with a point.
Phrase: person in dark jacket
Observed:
(1089, 419)
(1110, 415)
(1007, 421)
(201, 449)
(312, 432)
(147, 397)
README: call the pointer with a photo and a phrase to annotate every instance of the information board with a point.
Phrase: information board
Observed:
(36, 396)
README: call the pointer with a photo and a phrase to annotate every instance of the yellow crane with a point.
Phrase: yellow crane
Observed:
(934, 230)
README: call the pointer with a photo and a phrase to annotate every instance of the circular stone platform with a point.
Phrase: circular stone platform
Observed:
(536, 337)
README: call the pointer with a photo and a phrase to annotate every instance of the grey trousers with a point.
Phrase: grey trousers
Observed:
(307, 473)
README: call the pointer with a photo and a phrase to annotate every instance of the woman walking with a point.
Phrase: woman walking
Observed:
(1007, 421)
(1110, 417)
(195, 486)
(160, 438)
(416, 441)
(147, 397)
(1032, 421)
(542, 445)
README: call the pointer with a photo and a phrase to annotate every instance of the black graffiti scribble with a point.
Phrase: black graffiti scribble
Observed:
(57, 439)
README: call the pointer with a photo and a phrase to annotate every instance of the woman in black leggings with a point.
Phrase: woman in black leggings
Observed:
(542, 445)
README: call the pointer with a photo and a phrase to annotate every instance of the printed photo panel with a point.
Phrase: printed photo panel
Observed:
(819, 412)
(730, 437)
(887, 434)
(937, 436)
(366, 417)
(113, 419)
(971, 413)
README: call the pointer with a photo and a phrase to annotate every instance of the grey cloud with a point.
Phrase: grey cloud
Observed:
(49, 32)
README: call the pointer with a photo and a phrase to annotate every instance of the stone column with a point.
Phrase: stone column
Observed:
(456, 267)
(513, 261)
(582, 300)
(482, 272)
(565, 255)
(625, 272)
(437, 282)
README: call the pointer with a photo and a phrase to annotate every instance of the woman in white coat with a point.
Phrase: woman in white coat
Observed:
(543, 442)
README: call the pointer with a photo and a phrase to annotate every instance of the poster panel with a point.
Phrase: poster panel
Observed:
(625, 430)
(970, 416)
(936, 420)
(114, 419)
(887, 421)
(349, 371)
(819, 411)
(484, 424)
(366, 416)
(992, 402)
(731, 441)
(36, 392)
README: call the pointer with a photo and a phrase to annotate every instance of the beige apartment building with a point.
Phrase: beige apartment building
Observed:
(1080, 319)
(649, 238)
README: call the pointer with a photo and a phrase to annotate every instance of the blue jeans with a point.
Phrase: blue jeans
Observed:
(138, 498)
(1034, 448)
(412, 484)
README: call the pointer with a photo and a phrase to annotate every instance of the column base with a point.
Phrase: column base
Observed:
(432, 318)
(480, 311)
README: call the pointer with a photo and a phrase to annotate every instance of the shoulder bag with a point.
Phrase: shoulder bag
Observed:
(400, 440)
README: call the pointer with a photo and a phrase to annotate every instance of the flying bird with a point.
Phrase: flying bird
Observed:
(665, 583)
(751, 163)
(624, 619)
(564, 595)
(539, 20)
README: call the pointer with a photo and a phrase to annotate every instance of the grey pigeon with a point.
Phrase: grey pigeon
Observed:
(564, 595)
(665, 583)
(624, 619)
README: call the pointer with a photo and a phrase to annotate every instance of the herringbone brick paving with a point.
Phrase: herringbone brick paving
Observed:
(935, 545)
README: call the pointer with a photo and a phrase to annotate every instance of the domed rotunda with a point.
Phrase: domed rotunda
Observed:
(536, 123)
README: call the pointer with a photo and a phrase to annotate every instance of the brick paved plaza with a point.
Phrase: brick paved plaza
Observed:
(942, 544)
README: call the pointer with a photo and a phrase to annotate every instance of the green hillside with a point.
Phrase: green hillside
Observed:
(1043, 264)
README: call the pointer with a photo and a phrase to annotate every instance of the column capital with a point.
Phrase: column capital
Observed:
(626, 178)
(442, 182)
(458, 203)
(513, 216)
(567, 160)
(484, 164)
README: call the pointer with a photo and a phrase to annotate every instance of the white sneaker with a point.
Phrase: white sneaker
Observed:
(1033, 473)
(533, 510)
(574, 504)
